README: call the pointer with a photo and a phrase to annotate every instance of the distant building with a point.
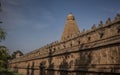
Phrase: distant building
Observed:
(89, 52)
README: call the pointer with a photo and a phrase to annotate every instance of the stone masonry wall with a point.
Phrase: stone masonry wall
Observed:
(88, 53)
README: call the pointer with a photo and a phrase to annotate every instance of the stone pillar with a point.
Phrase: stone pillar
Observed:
(42, 69)
(32, 68)
(28, 67)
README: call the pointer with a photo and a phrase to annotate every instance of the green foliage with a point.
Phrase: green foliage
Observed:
(2, 34)
(14, 53)
(4, 56)
(1, 64)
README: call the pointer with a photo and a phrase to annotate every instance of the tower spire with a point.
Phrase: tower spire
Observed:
(70, 27)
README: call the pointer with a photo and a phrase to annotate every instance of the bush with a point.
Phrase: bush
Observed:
(1, 64)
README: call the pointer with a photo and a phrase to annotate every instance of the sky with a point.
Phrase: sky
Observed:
(31, 24)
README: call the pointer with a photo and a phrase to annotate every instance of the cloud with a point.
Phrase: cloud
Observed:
(13, 2)
(48, 15)
(11, 18)
(16, 17)
(118, 11)
(112, 10)
(39, 26)
(25, 24)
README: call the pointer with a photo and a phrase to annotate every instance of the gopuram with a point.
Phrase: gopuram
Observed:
(89, 52)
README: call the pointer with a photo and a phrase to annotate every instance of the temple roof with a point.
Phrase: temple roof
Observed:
(70, 28)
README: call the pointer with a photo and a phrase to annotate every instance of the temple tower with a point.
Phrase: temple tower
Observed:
(70, 27)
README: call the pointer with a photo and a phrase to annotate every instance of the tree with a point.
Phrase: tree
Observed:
(3, 50)
(14, 54)
(2, 34)
(3, 53)
(4, 56)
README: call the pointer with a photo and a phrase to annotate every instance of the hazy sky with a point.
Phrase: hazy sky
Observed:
(31, 24)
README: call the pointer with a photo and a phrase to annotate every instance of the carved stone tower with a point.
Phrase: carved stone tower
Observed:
(70, 27)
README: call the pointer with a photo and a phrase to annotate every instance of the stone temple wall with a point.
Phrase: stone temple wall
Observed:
(89, 52)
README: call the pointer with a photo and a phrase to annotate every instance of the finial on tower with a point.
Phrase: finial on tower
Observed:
(70, 16)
